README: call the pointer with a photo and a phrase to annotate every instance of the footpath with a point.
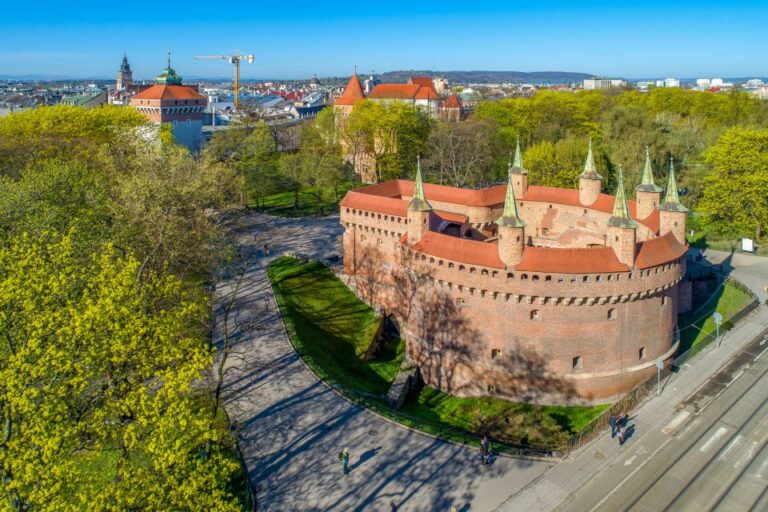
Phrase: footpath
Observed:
(658, 417)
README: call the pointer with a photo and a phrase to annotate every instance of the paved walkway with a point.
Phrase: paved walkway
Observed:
(603, 459)
(292, 426)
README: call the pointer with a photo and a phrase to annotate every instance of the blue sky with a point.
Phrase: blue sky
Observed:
(297, 38)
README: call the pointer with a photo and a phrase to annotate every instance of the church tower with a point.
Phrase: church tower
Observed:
(590, 182)
(124, 75)
(511, 227)
(647, 192)
(419, 210)
(622, 234)
(672, 213)
(518, 174)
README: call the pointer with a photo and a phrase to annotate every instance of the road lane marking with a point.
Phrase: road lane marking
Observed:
(676, 422)
(730, 446)
(738, 374)
(630, 460)
(747, 456)
(762, 469)
(761, 353)
(713, 439)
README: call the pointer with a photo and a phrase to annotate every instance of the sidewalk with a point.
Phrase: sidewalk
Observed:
(555, 486)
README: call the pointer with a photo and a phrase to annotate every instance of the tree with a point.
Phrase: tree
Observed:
(462, 153)
(734, 201)
(96, 385)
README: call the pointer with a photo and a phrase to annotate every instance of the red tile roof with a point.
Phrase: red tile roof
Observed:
(168, 92)
(461, 250)
(352, 93)
(659, 251)
(452, 217)
(394, 92)
(423, 81)
(375, 203)
(570, 261)
(453, 101)
(425, 93)
(494, 196)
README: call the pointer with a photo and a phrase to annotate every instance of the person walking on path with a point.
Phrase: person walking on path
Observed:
(266, 249)
(612, 423)
(620, 434)
(344, 458)
(485, 451)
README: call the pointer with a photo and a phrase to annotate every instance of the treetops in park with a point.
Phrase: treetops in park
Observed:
(104, 241)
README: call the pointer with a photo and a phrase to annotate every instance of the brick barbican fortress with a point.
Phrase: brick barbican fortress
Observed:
(532, 293)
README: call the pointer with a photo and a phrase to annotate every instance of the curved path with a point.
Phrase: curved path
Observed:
(291, 426)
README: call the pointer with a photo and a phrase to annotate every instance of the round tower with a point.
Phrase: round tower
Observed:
(648, 194)
(590, 182)
(518, 174)
(622, 230)
(511, 226)
(419, 210)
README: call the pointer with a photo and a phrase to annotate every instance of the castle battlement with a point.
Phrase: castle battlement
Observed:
(587, 292)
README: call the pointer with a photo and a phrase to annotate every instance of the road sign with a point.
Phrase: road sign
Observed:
(717, 317)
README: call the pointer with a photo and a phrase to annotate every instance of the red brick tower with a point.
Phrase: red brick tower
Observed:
(647, 192)
(672, 213)
(590, 181)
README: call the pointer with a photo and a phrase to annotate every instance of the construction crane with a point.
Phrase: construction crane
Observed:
(235, 60)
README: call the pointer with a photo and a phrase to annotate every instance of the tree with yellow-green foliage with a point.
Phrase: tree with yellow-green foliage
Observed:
(97, 397)
(735, 200)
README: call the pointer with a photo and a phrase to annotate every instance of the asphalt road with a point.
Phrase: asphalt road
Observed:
(711, 456)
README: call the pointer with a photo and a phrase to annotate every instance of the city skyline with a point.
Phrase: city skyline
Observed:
(630, 41)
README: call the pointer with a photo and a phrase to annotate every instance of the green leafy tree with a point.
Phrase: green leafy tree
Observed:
(96, 385)
(734, 201)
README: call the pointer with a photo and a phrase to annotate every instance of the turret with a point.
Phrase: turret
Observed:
(622, 230)
(518, 173)
(672, 213)
(647, 192)
(590, 182)
(419, 210)
(511, 228)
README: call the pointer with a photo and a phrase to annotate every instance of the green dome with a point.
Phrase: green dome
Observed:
(168, 76)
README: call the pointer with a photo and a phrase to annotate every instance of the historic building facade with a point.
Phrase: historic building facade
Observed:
(524, 292)
(181, 106)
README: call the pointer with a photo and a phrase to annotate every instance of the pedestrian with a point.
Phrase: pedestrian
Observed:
(266, 303)
(485, 451)
(344, 458)
(612, 423)
(266, 249)
(620, 434)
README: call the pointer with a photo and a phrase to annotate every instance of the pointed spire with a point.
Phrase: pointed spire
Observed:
(353, 92)
(517, 165)
(620, 216)
(647, 184)
(509, 216)
(671, 200)
(590, 169)
(419, 202)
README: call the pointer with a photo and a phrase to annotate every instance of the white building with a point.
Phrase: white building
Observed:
(668, 82)
(703, 83)
(602, 83)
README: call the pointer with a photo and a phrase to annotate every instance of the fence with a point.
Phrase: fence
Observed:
(632, 399)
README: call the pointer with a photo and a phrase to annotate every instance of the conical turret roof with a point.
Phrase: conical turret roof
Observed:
(353, 92)
(671, 200)
(517, 164)
(419, 202)
(509, 216)
(647, 184)
(620, 216)
(590, 169)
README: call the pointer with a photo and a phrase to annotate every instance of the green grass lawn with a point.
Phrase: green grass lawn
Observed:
(283, 203)
(705, 239)
(331, 329)
(698, 326)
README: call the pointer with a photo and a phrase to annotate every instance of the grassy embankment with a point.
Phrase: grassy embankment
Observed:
(332, 329)
(698, 326)
(284, 203)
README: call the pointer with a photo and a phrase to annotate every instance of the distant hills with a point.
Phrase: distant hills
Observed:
(487, 77)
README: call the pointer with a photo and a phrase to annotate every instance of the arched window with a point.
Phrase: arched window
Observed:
(535, 314)
(611, 314)
(577, 363)
(641, 353)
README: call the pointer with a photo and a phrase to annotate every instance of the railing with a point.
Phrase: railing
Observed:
(638, 395)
